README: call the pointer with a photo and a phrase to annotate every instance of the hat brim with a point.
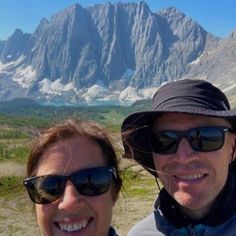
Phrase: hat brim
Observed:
(135, 132)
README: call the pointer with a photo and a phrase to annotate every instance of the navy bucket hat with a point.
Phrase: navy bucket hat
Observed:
(197, 97)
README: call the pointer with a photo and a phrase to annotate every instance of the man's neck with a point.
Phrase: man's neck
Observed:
(196, 214)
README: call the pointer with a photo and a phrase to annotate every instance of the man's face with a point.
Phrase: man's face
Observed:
(193, 178)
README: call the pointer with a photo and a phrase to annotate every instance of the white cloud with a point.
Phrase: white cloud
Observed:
(148, 93)
(129, 94)
(54, 88)
(95, 92)
(68, 87)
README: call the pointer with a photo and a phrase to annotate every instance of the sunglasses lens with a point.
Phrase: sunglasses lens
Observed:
(92, 182)
(44, 189)
(88, 182)
(165, 142)
(202, 139)
(206, 139)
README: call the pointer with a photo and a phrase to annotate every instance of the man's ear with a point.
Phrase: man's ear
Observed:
(233, 148)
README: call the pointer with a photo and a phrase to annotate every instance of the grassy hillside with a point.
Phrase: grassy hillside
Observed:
(25, 112)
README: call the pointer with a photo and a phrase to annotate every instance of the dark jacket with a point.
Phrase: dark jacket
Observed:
(168, 220)
(112, 232)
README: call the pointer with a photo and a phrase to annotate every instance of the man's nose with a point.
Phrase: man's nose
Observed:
(185, 153)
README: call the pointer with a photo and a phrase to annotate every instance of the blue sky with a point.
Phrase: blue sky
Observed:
(216, 16)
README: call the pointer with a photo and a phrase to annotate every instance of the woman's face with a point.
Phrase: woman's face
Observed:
(73, 213)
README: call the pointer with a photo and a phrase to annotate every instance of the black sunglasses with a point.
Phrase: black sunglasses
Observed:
(201, 139)
(88, 182)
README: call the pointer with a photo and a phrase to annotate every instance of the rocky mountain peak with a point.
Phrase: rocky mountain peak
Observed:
(108, 51)
(14, 46)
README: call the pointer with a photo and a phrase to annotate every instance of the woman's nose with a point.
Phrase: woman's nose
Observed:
(71, 199)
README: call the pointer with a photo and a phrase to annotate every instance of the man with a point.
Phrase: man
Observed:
(188, 141)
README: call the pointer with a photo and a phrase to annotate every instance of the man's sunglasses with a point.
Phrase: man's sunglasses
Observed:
(88, 182)
(201, 139)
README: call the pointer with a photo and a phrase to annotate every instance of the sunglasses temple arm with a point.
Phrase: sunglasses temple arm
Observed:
(114, 172)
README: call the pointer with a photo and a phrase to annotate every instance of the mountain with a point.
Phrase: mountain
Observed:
(121, 51)
(218, 66)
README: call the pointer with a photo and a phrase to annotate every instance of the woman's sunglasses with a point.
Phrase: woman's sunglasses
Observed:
(201, 139)
(88, 182)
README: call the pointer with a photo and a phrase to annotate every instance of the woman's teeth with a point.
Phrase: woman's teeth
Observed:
(73, 227)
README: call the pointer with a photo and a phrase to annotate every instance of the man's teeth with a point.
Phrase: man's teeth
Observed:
(73, 227)
(190, 177)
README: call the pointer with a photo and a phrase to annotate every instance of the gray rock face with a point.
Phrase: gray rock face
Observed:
(108, 47)
(218, 65)
(14, 46)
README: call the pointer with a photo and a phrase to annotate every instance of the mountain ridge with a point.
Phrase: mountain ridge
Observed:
(121, 51)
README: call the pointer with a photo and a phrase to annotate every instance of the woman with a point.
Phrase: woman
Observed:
(73, 180)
